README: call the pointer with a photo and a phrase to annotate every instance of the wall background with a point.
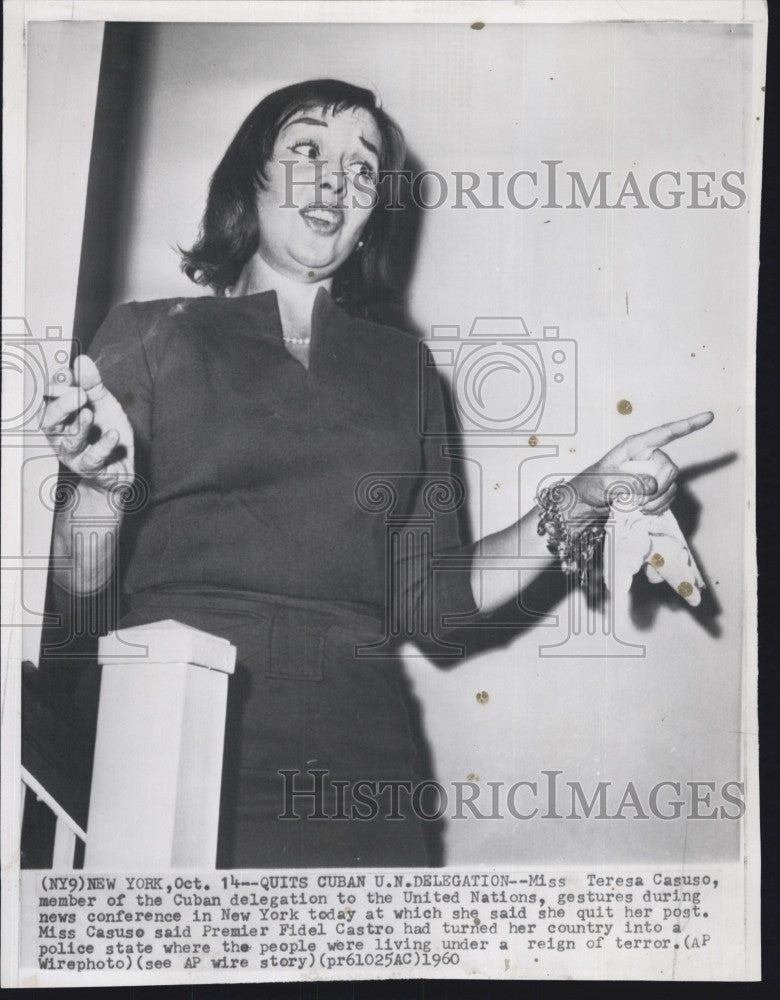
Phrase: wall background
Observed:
(656, 301)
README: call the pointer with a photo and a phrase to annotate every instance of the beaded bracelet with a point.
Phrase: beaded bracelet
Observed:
(574, 551)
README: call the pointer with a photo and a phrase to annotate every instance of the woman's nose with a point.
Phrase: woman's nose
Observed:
(332, 177)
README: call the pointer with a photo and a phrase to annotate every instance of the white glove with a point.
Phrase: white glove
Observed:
(655, 542)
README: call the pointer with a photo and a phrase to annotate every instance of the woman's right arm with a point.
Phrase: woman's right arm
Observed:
(637, 462)
(92, 437)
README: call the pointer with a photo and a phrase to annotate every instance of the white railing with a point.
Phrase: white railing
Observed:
(157, 773)
(66, 830)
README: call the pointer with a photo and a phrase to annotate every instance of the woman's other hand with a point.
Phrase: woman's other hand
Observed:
(88, 428)
(640, 462)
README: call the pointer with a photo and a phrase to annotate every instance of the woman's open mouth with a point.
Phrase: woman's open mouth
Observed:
(323, 219)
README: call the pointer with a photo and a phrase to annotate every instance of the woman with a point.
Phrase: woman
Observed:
(256, 419)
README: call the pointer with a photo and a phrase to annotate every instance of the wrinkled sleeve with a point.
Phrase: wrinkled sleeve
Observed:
(433, 561)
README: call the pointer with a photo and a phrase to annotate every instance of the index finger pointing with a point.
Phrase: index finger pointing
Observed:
(657, 437)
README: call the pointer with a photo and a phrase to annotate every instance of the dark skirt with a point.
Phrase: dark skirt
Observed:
(321, 765)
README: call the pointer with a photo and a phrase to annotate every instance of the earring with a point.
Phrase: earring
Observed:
(360, 245)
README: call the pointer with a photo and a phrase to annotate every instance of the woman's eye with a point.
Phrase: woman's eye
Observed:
(309, 150)
(364, 169)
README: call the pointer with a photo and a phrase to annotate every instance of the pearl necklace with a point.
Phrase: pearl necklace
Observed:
(288, 340)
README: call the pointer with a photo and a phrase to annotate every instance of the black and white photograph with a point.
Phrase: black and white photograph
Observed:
(379, 545)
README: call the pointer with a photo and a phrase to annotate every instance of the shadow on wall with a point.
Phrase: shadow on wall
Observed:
(121, 70)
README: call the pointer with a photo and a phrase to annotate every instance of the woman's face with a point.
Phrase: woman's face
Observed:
(318, 194)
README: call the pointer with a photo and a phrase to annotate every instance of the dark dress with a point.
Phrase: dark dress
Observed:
(296, 513)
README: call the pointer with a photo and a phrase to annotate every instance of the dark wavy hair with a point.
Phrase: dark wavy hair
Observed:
(229, 231)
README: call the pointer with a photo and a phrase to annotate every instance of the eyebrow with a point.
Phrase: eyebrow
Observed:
(306, 120)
